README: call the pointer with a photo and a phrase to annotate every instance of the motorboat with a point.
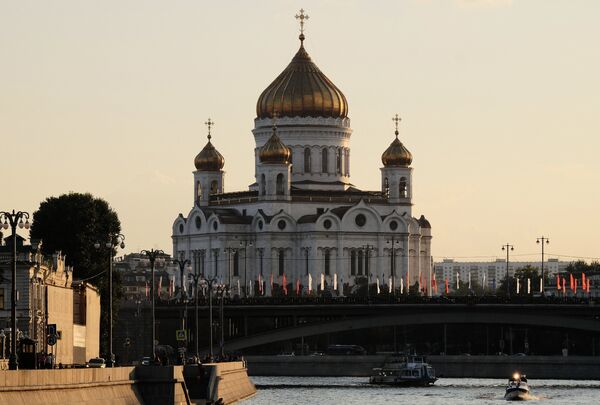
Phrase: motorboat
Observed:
(518, 388)
(404, 370)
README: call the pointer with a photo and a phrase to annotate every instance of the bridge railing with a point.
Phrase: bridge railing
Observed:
(388, 300)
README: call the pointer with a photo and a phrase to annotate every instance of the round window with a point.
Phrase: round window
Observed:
(215, 226)
(180, 228)
(393, 225)
(360, 220)
(198, 222)
(281, 224)
(327, 224)
(260, 225)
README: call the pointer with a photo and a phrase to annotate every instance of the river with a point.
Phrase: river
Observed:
(447, 391)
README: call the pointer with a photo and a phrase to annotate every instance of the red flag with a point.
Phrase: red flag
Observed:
(564, 285)
(147, 290)
(271, 280)
(571, 282)
(285, 290)
(558, 283)
(260, 286)
(588, 285)
(583, 283)
(159, 286)
(574, 286)
(447, 289)
(297, 286)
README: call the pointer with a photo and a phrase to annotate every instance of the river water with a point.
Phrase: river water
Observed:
(446, 391)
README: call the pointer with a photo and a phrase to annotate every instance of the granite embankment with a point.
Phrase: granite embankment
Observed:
(553, 367)
(154, 385)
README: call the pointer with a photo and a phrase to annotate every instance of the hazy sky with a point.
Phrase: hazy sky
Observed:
(500, 103)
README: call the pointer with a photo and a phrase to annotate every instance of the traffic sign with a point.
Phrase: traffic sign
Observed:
(52, 329)
(51, 340)
(181, 334)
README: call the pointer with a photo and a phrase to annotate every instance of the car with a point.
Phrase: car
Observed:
(97, 362)
(146, 361)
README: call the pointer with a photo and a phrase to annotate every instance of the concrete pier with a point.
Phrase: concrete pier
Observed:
(551, 367)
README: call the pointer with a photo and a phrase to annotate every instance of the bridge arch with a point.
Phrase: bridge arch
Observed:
(367, 322)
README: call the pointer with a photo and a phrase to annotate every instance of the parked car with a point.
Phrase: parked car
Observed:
(97, 362)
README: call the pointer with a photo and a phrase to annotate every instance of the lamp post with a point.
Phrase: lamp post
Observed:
(182, 265)
(508, 248)
(114, 240)
(196, 277)
(368, 249)
(244, 245)
(14, 219)
(393, 242)
(210, 284)
(543, 240)
(221, 290)
(152, 255)
(229, 251)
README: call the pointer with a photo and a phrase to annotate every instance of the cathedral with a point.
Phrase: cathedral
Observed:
(302, 227)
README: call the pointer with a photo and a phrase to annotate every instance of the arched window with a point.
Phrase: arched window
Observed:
(307, 163)
(263, 186)
(360, 262)
(352, 263)
(327, 257)
(214, 187)
(338, 161)
(324, 161)
(198, 191)
(386, 188)
(279, 183)
(281, 261)
(347, 162)
(402, 186)
(236, 264)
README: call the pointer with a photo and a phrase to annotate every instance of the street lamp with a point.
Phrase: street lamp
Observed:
(393, 242)
(114, 241)
(183, 264)
(152, 255)
(543, 240)
(196, 277)
(209, 284)
(14, 219)
(368, 249)
(508, 248)
(244, 244)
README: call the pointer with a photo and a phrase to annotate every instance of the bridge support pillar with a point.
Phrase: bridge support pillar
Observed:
(445, 339)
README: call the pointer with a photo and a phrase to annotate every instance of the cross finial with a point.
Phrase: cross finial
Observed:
(209, 124)
(397, 120)
(302, 17)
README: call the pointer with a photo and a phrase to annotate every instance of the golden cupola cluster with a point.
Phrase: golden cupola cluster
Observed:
(396, 155)
(302, 90)
(274, 151)
(209, 159)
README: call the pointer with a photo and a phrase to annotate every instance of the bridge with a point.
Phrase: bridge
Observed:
(459, 324)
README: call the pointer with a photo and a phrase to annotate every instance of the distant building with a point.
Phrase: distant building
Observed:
(47, 295)
(490, 274)
(136, 276)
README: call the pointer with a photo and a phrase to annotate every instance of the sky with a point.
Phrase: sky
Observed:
(499, 99)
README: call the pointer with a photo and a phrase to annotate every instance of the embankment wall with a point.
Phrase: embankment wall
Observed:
(553, 367)
(101, 386)
(227, 381)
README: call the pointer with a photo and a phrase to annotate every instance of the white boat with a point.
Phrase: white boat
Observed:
(517, 389)
(401, 370)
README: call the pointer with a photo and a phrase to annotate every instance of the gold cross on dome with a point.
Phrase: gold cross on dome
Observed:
(397, 120)
(209, 124)
(301, 17)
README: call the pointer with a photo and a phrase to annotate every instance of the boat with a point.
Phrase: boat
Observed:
(405, 371)
(517, 388)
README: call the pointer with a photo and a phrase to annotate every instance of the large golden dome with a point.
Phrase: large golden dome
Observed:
(209, 159)
(274, 151)
(302, 90)
(396, 155)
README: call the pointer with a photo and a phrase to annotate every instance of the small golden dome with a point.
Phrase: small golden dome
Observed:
(209, 159)
(396, 155)
(274, 151)
(302, 90)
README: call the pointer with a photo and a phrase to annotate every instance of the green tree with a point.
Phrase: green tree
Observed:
(72, 223)
(578, 267)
